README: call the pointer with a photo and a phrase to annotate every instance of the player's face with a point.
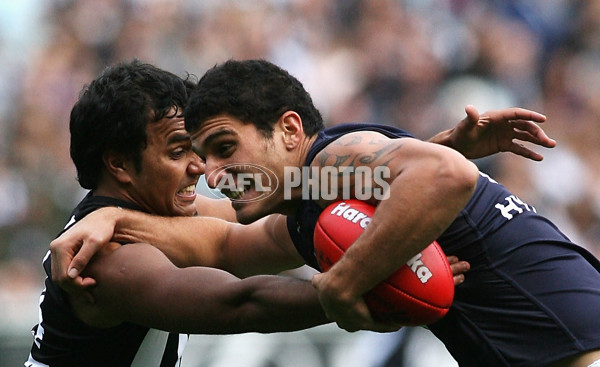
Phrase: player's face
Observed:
(245, 165)
(166, 184)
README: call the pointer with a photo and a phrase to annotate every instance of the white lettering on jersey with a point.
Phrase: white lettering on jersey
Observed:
(515, 205)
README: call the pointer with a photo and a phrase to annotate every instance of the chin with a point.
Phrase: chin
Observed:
(248, 212)
(245, 215)
(246, 219)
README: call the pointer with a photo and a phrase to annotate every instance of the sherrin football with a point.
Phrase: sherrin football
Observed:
(419, 293)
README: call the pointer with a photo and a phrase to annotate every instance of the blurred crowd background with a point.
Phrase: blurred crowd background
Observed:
(410, 63)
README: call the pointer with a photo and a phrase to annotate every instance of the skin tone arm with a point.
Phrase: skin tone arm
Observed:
(429, 185)
(138, 284)
(263, 247)
(259, 248)
(474, 136)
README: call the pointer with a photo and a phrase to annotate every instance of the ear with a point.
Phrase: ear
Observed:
(117, 166)
(292, 131)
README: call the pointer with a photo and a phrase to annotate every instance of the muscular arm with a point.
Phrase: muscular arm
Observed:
(137, 283)
(259, 248)
(429, 185)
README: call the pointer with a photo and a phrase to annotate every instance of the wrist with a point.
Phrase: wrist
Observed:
(445, 138)
(338, 284)
(115, 219)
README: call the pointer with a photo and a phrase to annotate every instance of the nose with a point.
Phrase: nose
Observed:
(197, 166)
(213, 173)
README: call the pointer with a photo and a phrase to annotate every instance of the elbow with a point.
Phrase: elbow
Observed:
(459, 176)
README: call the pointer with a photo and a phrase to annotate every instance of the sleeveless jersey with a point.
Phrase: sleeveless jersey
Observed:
(531, 296)
(62, 340)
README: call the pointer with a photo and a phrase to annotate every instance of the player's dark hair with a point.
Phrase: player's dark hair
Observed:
(113, 110)
(255, 92)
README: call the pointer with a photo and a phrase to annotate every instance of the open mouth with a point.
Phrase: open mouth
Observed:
(238, 192)
(189, 190)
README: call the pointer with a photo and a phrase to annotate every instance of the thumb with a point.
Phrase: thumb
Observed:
(316, 280)
(472, 116)
(82, 258)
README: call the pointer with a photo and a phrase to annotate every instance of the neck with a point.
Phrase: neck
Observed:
(113, 190)
(303, 149)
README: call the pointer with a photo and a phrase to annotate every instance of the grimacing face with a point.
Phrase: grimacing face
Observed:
(166, 184)
(238, 160)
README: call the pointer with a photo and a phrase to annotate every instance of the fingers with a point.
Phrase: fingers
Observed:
(530, 131)
(83, 257)
(452, 259)
(523, 151)
(516, 113)
(458, 269)
(350, 315)
(458, 266)
(61, 258)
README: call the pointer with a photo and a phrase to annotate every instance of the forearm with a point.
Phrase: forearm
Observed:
(277, 303)
(424, 200)
(187, 241)
(243, 250)
(263, 304)
(443, 138)
(137, 283)
(263, 247)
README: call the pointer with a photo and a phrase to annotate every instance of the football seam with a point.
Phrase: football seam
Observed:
(421, 301)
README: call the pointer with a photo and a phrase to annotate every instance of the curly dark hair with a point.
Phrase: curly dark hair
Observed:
(255, 92)
(113, 110)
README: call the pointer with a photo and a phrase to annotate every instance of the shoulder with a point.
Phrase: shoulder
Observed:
(360, 148)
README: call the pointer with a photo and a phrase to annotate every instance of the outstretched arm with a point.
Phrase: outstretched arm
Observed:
(492, 132)
(137, 283)
(258, 248)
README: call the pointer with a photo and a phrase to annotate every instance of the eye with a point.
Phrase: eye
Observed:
(178, 153)
(225, 149)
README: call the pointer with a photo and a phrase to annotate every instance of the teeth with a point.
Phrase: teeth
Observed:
(237, 194)
(234, 195)
(188, 189)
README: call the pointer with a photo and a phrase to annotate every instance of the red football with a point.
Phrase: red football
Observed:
(419, 293)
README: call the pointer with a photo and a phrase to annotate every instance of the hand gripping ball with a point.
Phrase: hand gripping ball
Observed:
(419, 293)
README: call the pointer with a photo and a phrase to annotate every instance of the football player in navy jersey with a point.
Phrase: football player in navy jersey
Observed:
(137, 155)
(533, 297)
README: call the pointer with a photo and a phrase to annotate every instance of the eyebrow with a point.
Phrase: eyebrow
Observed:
(217, 134)
(177, 138)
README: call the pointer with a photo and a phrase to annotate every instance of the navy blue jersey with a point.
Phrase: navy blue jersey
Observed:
(532, 297)
(62, 340)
